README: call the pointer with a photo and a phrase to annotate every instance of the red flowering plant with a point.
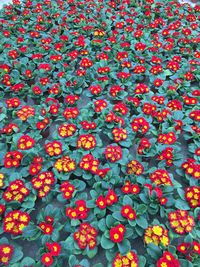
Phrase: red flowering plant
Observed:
(99, 133)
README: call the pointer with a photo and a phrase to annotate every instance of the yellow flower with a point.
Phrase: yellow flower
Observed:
(158, 230)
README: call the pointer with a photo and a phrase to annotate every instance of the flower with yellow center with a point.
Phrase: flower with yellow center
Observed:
(164, 240)
(157, 230)
(6, 250)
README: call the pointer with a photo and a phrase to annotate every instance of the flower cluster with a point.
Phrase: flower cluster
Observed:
(47, 225)
(117, 233)
(53, 148)
(99, 123)
(167, 139)
(66, 130)
(135, 167)
(192, 168)
(86, 236)
(157, 235)
(15, 221)
(119, 134)
(16, 191)
(35, 166)
(67, 190)
(79, 212)
(181, 222)
(86, 141)
(111, 198)
(168, 260)
(160, 177)
(113, 153)
(25, 142)
(140, 124)
(6, 252)
(192, 195)
(89, 163)
(144, 146)
(13, 159)
(128, 212)
(189, 249)
(65, 164)
(129, 188)
(54, 249)
(43, 182)
(167, 155)
(130, 259)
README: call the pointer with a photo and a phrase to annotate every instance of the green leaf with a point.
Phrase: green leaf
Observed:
(72, 260)
(106, 243)
(141, 209)
(142, 261)
(127, 200)
(30, 232)
(98, 265)
(154, 251)
(181, 204)
(117, 215)
(75, 222)
(102, 225)
(27, 261)
(17, 255)
(188, 239)
(185, 263)
(92, 252)
(142, 222)
(110, 221)
(124, 247)
(172, 249)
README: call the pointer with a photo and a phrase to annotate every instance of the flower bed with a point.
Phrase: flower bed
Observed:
(100, 129)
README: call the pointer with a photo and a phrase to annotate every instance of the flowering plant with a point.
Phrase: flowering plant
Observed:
(99, 144)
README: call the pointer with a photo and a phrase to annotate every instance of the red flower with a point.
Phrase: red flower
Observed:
(86, 141)
(46, 228)
(12, 159)
(54, 248)
(135, 167)
(196, 247)
(160, 177)
(140, 123)
(128, 212)
(95, 89)
(101, 202)
(65, 164)
(86, 236)
(111, 197)
(2, 209)
(67, 189)
(53, 148)
(25, 142)
(86, 62)
(181, 221)
(113, 153)
(117, 233)
(6, 252)
(47, 259)
(16, 191)
(168, 260)
(14, 222)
